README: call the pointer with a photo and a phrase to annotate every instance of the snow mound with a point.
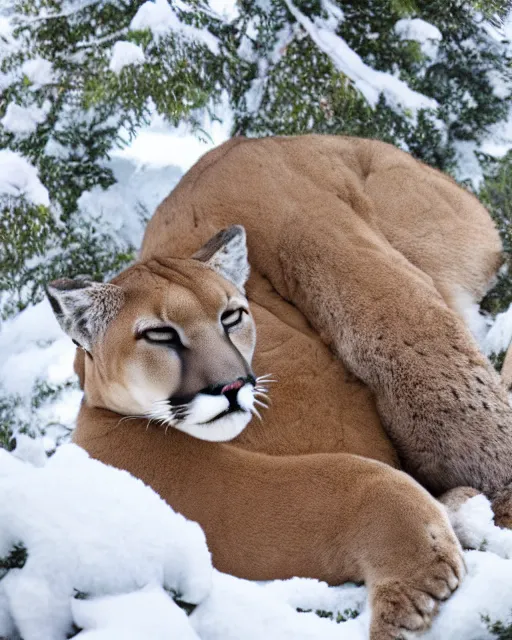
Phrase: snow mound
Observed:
(88, 529)
(148, 613)
(125, 54)
(19, 177)
(237, 609)
(104, 553)
(473, 523)
(23, 120)
(159, 18)
(39, 71)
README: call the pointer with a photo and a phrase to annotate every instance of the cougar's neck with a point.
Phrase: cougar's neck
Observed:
(147, 451)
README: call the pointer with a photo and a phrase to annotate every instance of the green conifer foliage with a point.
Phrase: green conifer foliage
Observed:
(302, 90)
(89, 109)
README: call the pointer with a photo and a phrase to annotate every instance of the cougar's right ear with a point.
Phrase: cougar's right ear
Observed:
(84, 308)
(226, 253)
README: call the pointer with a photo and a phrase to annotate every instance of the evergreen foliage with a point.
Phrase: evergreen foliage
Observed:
(496, 194)
(302, 91)
(498, 629)
(15, 559)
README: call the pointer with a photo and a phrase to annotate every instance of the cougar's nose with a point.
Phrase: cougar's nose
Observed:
(232, 387)
(230, 390)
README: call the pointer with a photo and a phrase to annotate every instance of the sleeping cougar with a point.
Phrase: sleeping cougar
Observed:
(361, 257)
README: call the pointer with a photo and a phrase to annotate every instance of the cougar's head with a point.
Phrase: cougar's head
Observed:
(169, 339)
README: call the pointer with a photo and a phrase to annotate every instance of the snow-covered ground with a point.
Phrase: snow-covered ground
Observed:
(86, 546)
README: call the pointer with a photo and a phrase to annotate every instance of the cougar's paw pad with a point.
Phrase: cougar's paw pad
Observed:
(401, 606)
(502, 507)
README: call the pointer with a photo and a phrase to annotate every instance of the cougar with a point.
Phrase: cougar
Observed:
(364, 262)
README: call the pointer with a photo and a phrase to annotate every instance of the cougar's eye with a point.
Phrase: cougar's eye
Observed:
(232, 317)
(162, 335)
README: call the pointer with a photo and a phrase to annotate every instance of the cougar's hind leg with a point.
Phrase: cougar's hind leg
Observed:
(440, 400)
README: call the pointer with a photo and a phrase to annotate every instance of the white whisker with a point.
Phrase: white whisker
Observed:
(128, 418)
(256, 413)
(264, 379)
(261, 404)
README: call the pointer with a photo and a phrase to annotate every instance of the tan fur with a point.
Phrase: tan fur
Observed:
(357, 248)
(506, 371)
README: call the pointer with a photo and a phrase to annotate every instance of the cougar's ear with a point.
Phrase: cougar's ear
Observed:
(84, 308)
(226, 253)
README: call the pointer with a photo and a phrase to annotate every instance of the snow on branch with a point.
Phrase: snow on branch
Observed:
(368, 81)
(39, 71)
(24, 120)
(19, 177)
(160, 19)
(125, 54)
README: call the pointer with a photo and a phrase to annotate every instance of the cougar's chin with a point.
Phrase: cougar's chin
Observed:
(221, 429)
(210, 417)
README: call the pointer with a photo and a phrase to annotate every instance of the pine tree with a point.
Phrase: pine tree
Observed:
(56, 69)
(294, 87)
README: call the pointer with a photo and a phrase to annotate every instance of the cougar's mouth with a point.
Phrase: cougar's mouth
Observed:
(218, 413)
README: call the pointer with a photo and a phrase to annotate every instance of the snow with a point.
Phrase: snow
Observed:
(71, 515)
(368, 81)
(162, 145)
(499, 336)
(39, 71)
(426, 34)
(159, 17)
(466, 162)
(125, 54)
(23, 120)
(227, 9)
(70, 512)
(148, 613)
(34, 347)
(238, 609)
(127, 204)
(19, 177)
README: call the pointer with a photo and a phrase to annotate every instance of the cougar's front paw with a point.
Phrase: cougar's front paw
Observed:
(409, 603)
(502, 507)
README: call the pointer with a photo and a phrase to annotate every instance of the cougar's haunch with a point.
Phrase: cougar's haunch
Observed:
(362, 258)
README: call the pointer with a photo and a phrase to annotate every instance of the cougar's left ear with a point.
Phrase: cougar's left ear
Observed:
(226, 253)
(84, 308)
